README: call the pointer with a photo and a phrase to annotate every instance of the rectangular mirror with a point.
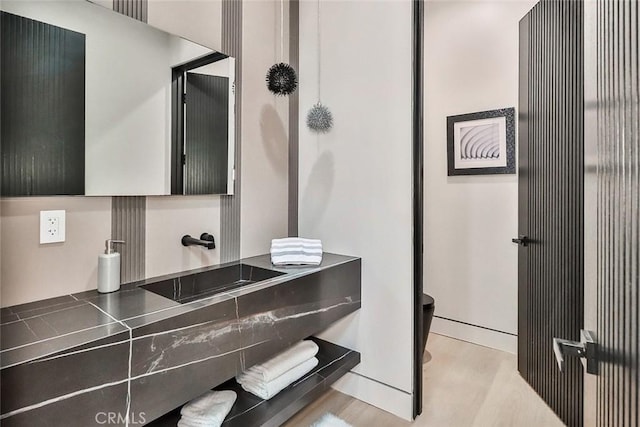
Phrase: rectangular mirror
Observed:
(129, 102)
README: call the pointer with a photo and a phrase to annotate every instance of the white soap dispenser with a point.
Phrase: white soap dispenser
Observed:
(109, 268)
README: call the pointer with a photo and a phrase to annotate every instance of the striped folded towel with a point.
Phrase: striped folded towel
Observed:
(296, 251)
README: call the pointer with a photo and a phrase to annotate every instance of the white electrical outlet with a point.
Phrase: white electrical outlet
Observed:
(52, 226)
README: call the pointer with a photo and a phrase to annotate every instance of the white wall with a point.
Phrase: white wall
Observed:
(195, 20)
(170, 218)
(355, 181)
(31, 271)
(471, 65)
(265, 148)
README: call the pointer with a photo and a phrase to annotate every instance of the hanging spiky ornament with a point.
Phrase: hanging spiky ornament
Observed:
(282, 79)
(319, 118)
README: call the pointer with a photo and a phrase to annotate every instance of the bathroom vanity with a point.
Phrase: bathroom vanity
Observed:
(89, 358)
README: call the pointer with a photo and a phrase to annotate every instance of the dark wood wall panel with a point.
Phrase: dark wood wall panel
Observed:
(551, 277)
(614, 104)
(43, 107)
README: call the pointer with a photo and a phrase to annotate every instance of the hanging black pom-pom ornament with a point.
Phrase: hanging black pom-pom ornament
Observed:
(319, 119)
(282, 79)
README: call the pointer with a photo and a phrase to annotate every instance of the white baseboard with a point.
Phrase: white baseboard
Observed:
(475, 334)
(390, 399)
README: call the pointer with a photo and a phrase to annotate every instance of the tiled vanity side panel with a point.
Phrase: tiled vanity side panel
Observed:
(177, 359)
(65, 373)
(86, 409)
(278, 316)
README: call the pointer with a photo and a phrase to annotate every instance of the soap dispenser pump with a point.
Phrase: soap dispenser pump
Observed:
(109, 268)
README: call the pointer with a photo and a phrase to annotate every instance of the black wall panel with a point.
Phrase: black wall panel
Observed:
(614, 105)
(42, 107)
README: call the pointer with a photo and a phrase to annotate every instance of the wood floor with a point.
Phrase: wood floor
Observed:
(464, 385)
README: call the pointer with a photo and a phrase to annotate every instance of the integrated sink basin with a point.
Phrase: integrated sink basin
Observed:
(208, 283)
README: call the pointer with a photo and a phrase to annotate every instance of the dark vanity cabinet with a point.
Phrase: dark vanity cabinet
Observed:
(75, 359)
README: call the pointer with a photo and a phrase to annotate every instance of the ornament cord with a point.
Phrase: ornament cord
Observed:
(319, 56)
(281, 30)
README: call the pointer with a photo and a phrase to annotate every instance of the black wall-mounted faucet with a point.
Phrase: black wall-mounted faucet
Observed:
(205, 240)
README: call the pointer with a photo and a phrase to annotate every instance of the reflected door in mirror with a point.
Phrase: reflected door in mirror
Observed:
(42, 107)
(206, 135)
(203, 134)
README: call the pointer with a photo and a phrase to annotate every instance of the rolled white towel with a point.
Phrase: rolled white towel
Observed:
(281, 363)
(266, 390)
(296, 251)
(210, 409)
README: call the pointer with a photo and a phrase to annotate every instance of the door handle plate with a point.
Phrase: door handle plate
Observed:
(521, 240)
(586, 348)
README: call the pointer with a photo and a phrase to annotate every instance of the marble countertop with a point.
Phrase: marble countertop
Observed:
(43, 328)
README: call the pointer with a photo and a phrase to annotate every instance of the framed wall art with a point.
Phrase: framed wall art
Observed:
(481, 143)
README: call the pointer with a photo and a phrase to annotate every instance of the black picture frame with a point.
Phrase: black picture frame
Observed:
(490, 142)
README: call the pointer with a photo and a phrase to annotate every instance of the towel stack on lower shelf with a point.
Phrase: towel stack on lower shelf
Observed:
(269, 378)
(296, 251)
(208, 410)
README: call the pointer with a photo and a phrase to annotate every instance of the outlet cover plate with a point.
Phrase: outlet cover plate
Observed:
(52, 226)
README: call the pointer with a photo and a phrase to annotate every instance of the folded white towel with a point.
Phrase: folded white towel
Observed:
(190, 422)
(296, 251)
(330, 420)
(281, 363)
(266, 390)
(210, 409)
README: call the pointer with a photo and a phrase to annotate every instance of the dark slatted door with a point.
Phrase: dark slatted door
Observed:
(550, 282)
(207, 134)
(612, 215)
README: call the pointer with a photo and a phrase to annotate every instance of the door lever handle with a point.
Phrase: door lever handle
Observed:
(522, 240)
(585, 348)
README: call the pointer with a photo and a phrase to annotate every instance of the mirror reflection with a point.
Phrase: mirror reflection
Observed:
(202, 104)
(129, 109)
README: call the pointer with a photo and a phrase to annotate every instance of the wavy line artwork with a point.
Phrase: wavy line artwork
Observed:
(480, 142)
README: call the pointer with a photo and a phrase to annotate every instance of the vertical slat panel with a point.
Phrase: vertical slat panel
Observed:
(128, 214)
(137, 9)
(207, 141)
(128, 223)
(551, 200)
(294, 61)
(615, 104)
(43, 107)
(230, 205)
